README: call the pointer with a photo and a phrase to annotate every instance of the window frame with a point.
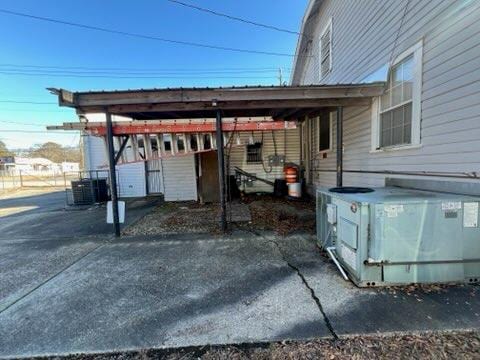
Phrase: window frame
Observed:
(330, 134)
(417, 52)
(259, 147)
(327, 27)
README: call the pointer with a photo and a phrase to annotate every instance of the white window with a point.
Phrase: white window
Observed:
(396, 121)
(325, 50)
(325, 132)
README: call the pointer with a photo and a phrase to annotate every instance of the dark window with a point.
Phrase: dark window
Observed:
(254, 153)
(324, 132)
(167, 142)
(180, 143)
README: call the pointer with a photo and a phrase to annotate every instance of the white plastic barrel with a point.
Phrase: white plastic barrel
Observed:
(295, 190)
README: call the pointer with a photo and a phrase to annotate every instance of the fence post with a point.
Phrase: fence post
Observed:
(21, 179)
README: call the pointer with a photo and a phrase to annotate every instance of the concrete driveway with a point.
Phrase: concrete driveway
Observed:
(46, 215)
(89, 293)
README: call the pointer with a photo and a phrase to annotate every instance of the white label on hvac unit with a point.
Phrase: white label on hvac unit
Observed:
(470, 214)
(349, 256)
(451, 205)
(393, 210)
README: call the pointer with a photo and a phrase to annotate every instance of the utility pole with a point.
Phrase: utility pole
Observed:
(280, 76)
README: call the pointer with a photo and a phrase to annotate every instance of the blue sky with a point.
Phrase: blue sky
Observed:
(28, 42)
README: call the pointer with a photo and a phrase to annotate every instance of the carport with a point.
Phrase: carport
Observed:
(148, 108)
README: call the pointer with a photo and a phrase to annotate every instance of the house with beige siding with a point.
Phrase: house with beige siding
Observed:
(426, 125)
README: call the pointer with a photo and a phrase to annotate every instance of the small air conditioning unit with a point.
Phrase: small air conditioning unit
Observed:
(395, 235)
(89, 191)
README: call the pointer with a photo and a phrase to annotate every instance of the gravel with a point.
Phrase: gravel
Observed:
(453, 345)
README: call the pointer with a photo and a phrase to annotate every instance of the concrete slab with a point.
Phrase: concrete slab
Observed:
(27, 263)
(40, 242)
(352, 310)
(164, 293)
(45, 216)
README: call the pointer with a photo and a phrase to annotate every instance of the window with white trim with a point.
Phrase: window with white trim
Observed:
(325, 50)
(397, 116)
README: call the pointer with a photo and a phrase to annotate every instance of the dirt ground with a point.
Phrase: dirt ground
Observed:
(454, 345)
(265, 213)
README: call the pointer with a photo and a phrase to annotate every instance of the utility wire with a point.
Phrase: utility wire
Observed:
(63, 111)
(235, 18)
(142, 36)
(28, 102)
(131, 76)
(149, 70)
(40, 131)
(20, 123)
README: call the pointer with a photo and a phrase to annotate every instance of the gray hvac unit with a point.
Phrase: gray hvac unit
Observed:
(399, 236)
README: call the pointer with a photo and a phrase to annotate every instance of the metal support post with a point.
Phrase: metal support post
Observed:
(113, 177)
(339, 146)
(221, 170)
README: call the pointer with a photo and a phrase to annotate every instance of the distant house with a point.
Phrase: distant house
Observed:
(38, 164)
(34, 164)
(427, 123)
(66, 166)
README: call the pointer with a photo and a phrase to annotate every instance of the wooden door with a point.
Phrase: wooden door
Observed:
(208, 181)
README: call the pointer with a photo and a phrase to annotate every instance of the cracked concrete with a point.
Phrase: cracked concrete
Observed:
(82, 294)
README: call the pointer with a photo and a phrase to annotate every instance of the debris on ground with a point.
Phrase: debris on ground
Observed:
(281, 215)
(414, 289)
(177, 218)
(254, 212)
(435, 345)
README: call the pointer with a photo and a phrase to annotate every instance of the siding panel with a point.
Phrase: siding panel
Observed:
(363, 36)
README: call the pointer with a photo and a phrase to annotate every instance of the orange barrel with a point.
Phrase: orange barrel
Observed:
(291, 174)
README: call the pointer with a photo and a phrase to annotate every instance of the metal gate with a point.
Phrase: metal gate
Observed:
(154, 174)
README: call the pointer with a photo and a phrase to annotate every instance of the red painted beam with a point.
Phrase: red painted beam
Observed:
(131, 129)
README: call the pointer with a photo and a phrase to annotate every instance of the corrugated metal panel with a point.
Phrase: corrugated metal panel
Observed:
(94, 149)
(450, 126)
(180, 178)
(287, 143)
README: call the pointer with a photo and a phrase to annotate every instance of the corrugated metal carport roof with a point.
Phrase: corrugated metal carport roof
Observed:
(279, 102)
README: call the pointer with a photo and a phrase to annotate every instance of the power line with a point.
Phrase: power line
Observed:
(35, 110)
(19, 123)
(28, 102)
(150, 70)
(235, 18)
(70, 132)
(129, 76)
(142, 36)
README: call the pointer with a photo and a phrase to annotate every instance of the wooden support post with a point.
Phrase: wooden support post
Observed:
(221, 171)
(339, 146)
(134, 140)
(120, 153)
(113, 177)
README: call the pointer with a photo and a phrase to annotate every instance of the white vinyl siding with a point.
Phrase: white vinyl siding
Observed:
(287, 142)
(449, 121)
